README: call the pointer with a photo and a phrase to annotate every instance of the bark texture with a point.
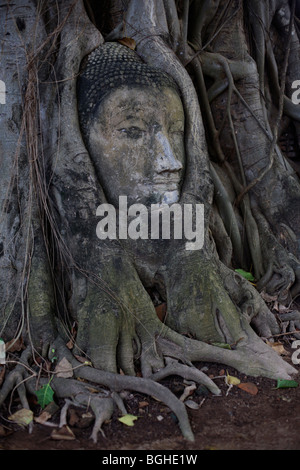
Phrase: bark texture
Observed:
(235, 63)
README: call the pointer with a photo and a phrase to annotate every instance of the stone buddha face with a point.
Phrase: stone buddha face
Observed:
(136, 141)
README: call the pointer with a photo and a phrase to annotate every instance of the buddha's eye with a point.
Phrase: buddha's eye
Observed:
(133, 132)
(176, 129)
(177, 134)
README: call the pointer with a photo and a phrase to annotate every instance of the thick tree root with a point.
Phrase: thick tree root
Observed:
(117, 383)
(283, 268)
(188, 373)
(102, 403)
(293, 320)
(249, 301)
(15, 379)
(251, 356)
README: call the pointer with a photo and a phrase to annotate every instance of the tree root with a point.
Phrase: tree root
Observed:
(15, 379)
(101, 403)
(293, 320)
(188, 373)
(251, 356)
(250, 302)
(148, 386)
(282, 273)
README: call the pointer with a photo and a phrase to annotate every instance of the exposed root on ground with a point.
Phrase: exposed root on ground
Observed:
(250, 356)
(100, 390)
(103, 401)
(290, 321)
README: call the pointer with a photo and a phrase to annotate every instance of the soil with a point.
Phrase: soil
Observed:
(236, 420)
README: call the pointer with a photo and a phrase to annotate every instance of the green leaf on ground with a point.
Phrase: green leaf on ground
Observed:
(286, 383)
(45, 395)
(128, 419)
(245, 274)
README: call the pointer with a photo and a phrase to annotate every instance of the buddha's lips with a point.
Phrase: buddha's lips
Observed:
(167, 180)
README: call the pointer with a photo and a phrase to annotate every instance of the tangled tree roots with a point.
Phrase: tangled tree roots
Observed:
(103, 402)
(26, 377)
(55, 179)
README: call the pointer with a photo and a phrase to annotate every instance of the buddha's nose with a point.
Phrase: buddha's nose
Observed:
(166, 160)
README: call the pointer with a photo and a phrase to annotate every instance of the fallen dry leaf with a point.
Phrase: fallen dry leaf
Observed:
(128, 419)
(161, 311)
(142, 404)
(15, 345)
(70, 344)
(83, 360)
(22, 417)
(192, 404)
(249, 387)
(64, 434)
(64, 369)
(2, 374)
(230, 380)
(52, 408)
(79, 419)
(92, 390)
(43, 417)
(278, 347)
(128, 42)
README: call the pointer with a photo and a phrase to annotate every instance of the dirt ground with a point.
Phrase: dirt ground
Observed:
(237, 420)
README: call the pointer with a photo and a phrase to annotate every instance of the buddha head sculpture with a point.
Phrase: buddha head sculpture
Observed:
(132, 121)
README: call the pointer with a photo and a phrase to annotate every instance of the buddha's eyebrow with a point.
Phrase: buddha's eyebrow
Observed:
(130, 117)
(177, 121)
(130, 106)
